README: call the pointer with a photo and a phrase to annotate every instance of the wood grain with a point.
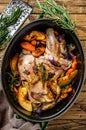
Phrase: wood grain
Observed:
(75, 117)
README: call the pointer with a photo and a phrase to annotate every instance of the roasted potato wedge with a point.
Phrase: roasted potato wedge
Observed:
(35, 35)
(38, 35)
(13, 62)
(22, 98)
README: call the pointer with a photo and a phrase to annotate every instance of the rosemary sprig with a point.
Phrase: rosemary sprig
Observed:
(5, 22)
(13, 79)
(3, 33)
(10, 20)
(5, 42)
(59, 13)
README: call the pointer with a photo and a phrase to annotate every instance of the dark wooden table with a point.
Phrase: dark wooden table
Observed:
(75, 117)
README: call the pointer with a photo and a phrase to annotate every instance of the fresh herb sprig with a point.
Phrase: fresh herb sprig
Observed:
(59, 13)
(3, 33)
(5, 22)
(4, 42)
(10, 20)
(13, 79)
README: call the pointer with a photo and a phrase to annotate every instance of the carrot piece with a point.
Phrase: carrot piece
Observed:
(27, 46)
(64, 95)
(39, 51)
(42, 49)
(69, 89)
(34, 42)
(15, 90)
(27, 37)
(74, 64)
(69, 71)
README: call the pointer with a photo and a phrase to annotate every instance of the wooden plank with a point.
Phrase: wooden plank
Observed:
(67, 125)
(74, 2)
(65, 2)
(84, 86)
(4, 1)
(7, 1)
(65, 121)
(76, 9)
(74, 113)
(72, 9)
(80, 19)
(2, 7)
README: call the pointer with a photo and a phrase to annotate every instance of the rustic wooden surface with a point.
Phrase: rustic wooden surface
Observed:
(75, 117)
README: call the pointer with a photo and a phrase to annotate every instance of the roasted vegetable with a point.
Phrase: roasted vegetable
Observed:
(22, 98)
(69, 89)
(35, 35)
(63, 96)
(27, 46)
(34, 42)
(38, 52)
(74, 66)
(69, 71)
(67, 79)
(13, 62)
(15, 90)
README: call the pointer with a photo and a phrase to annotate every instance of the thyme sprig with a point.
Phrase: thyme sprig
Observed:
(59, 13)
(13, 79)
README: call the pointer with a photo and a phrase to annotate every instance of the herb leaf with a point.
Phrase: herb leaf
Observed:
(43, 73)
